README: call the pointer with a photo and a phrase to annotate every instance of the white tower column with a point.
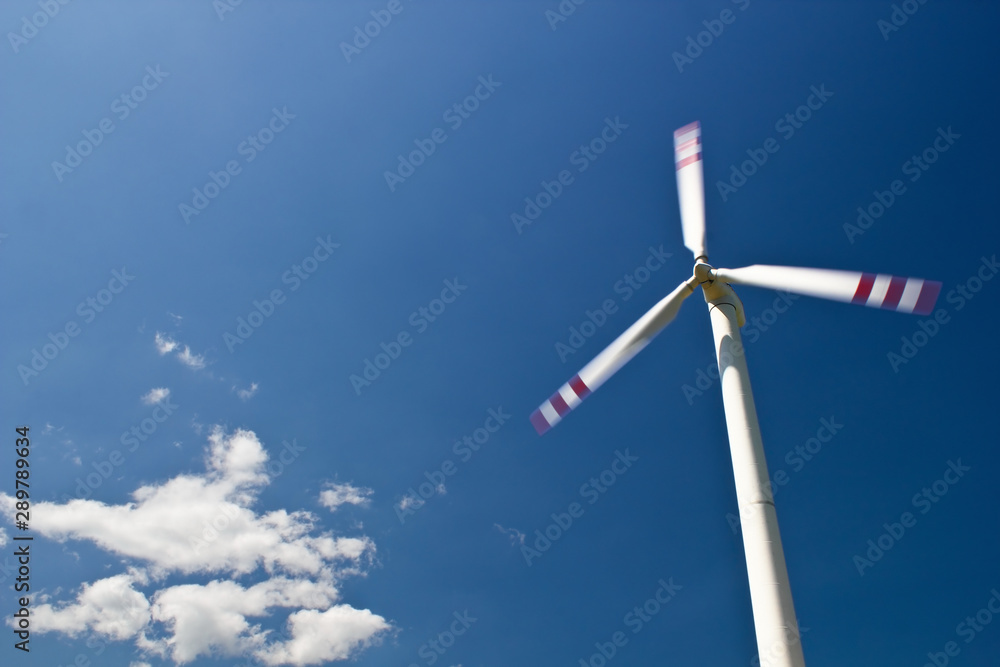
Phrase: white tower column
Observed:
(778, 640)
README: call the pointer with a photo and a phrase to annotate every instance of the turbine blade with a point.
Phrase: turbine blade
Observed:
(691, 187)
(614, 356)
(876, 290)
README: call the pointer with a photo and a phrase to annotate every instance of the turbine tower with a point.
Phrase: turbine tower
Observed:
(776, 627)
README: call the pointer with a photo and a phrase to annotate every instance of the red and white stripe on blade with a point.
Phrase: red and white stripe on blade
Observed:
(607, 363)
(876, 290)
(691, 186)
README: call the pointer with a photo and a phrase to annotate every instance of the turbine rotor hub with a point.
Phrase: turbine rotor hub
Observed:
(703, 272)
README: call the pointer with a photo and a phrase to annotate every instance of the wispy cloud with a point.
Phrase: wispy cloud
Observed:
(248, 393)
(155, 395)
(165, 344)
(407, 502)
(516, 536)
(336, 495)
(195, 361)
(411, 499)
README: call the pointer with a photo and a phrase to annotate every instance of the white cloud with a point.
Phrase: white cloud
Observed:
(203, 524)
(413, 500)
(165, 344)
(212, 618)
(516, 536)
(248, 393)
(195, 361)
(319, 637)
(407, 502)
(3, 537)
(155, 395)
(111, 607)
(336, 495)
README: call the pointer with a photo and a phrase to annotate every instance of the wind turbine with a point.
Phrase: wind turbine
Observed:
(770, 594)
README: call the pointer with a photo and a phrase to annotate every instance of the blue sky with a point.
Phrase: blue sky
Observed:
(322, 551)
